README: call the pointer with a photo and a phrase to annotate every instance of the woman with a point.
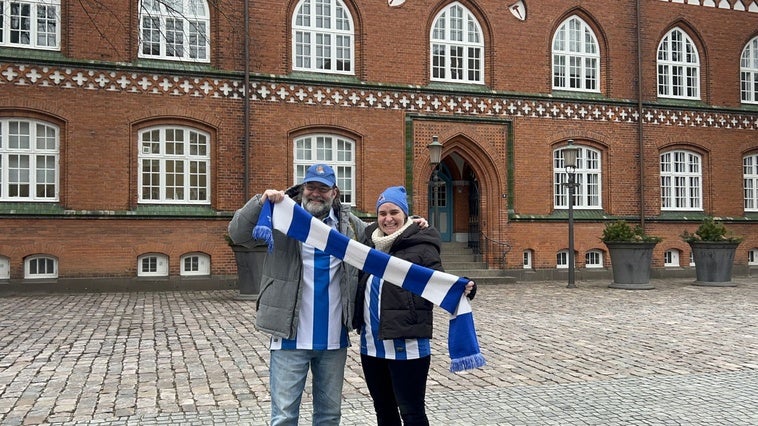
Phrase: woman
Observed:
(395, 324)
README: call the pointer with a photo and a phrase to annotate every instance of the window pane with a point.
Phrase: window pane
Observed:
(337, 151)
(175, 166)
(28, 160)
(323, 37)
(457, 48)
(175, 30)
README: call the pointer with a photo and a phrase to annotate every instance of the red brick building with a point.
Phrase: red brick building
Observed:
(128, 138)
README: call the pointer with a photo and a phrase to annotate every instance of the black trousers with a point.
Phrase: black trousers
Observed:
(397, 385)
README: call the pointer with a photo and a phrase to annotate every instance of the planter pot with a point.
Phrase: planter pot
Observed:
(249, 268)
(630, 264)
(713, 262)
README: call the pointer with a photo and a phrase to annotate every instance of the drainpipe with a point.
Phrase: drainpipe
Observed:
(246, 102)
(640, 127)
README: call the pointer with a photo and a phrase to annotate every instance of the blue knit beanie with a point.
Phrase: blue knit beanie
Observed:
(395, 195)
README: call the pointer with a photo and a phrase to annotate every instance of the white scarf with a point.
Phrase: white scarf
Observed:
(383, 242)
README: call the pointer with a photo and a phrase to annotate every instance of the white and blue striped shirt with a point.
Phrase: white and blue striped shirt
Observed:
(320, 316)
(400, 349)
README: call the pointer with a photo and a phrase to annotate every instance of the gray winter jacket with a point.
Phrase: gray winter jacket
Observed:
(281, 282)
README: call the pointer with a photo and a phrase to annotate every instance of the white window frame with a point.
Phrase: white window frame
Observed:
(5, 268)
(671, 258)
(576, 57)
(456, 33)
(152, 265)
(692, 258)
(528, 259)
(588, 176)
(562, 259)
(681, 181)
(32, 267)
(41, 20)
(323, 37)
(195, 264)
(749, 72)
(336, 151)
(174, 30)
(192, 153)
(593, 259)
(752, 257)
(750, 182)
(678, 66)
(29, 160)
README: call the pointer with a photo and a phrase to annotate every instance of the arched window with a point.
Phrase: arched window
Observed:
(40, 266)
(528, 259)
(678, 66)
(5, 268)
(681, 181)
(750, 182)
(152, 265)
(334, 150)
(671, 258)
(576, 57)
(322, 37)
(562, 259)
(587, 193)
(749, 72)
(195, 264)
(457, 46)
(29, 154)
(593, 259)
(174, 166)
(177, 30)
(34, 24)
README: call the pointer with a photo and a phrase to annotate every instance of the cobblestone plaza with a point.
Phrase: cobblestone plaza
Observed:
(678, 354)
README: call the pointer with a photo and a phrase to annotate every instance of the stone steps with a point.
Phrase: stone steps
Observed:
(458, 259)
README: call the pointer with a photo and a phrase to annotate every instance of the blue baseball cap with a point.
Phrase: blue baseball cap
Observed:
(321, 173)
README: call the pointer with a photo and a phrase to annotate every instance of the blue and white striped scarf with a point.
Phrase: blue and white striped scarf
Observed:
(442, 289)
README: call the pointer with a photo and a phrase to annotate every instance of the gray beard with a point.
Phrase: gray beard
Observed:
(316, 209)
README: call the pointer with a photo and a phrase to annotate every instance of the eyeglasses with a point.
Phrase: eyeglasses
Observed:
(321, 189)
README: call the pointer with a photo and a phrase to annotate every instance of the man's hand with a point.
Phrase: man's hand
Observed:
(420, 221)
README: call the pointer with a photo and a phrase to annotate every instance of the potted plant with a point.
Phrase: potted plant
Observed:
(631, 251)
(249, 261)
(713, 248)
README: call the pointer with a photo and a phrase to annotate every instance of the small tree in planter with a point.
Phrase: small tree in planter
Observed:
(631, 251)
(713, 248)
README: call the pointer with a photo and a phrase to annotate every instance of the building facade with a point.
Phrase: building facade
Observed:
(130, 131)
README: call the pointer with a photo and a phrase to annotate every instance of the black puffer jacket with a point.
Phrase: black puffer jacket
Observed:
(403, 314)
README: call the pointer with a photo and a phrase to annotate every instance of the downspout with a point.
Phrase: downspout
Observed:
(246, 102)
(640, 126)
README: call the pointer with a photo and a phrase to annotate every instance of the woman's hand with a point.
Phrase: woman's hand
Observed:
(272, 194)
(470, 291)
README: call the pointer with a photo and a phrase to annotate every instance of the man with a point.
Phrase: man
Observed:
(306, 300)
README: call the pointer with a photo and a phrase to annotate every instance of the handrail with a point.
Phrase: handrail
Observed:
(493, 249)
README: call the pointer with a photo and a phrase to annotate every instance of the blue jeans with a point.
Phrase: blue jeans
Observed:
(287, 375)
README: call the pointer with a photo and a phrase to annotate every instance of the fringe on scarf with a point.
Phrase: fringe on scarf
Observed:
(263, 229)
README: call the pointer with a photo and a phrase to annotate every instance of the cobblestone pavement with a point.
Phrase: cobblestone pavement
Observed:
(676, 355)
